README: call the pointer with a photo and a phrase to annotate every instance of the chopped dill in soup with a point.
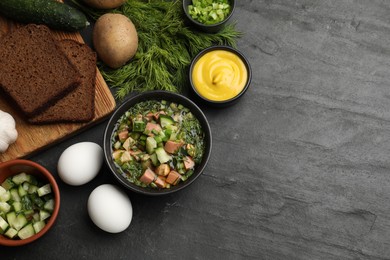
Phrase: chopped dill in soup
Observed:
(157, 144)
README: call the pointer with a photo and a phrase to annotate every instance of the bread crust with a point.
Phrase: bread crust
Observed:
(79, 104)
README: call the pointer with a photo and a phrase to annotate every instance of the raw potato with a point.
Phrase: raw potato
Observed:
(104, 4)
(115, 39)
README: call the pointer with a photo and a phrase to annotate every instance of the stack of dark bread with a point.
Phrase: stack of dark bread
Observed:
(48, 80)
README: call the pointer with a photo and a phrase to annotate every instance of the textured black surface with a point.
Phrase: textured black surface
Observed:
(300, 167)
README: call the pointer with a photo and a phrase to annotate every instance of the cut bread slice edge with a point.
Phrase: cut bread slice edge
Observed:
(79, 104)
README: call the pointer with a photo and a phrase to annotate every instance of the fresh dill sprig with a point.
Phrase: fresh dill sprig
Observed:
(166, 46)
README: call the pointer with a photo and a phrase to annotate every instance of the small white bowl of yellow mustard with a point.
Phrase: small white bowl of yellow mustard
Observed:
(220, 75)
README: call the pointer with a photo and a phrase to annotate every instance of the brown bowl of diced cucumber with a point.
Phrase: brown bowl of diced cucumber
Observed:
(29, 202)
(157, 142)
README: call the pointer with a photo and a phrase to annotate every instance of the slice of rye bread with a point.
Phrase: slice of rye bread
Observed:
(34, 71)
(78, 105)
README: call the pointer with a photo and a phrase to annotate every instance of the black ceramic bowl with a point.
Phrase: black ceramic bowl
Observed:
(212, 28)
(156, 95)
(232, 100)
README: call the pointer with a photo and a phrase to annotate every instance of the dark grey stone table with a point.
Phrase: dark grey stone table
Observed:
(300, 167)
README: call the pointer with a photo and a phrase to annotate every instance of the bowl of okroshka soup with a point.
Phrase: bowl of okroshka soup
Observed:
(220, 75)
(157, 143)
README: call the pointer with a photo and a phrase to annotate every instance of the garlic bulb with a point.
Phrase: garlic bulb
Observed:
(8, 133)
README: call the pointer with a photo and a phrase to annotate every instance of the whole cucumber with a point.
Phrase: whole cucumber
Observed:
(54, 14)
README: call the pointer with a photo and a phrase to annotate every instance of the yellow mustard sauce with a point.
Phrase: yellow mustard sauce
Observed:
(219, 75)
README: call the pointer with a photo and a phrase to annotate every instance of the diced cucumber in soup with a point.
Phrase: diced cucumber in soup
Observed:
(20, 178)
(162, 155)
(151, 144)
(17, 206)
(161, 133)
(38, 226)
(8, 184)
(19, 222)
(4, 207)
(25, 206)
(11, 232)
(2, 190)
(22, 192)
(45, 189)
(26, 231)
(14, 194)
(43, 214)
(49, 205)
(166, 120)
(3, 225)
(5, 195)
(11, 216)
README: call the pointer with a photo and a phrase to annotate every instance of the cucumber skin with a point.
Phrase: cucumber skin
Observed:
(54, 14)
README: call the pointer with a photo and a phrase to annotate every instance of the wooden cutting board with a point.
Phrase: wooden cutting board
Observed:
(33, 138)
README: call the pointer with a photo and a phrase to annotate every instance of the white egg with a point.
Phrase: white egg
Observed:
(110, 208)
(80, 163)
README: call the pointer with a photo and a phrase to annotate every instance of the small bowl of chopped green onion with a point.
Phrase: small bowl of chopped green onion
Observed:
(29, 202)
(208, 15)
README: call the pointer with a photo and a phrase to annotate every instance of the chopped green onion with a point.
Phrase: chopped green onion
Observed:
(209, 11)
